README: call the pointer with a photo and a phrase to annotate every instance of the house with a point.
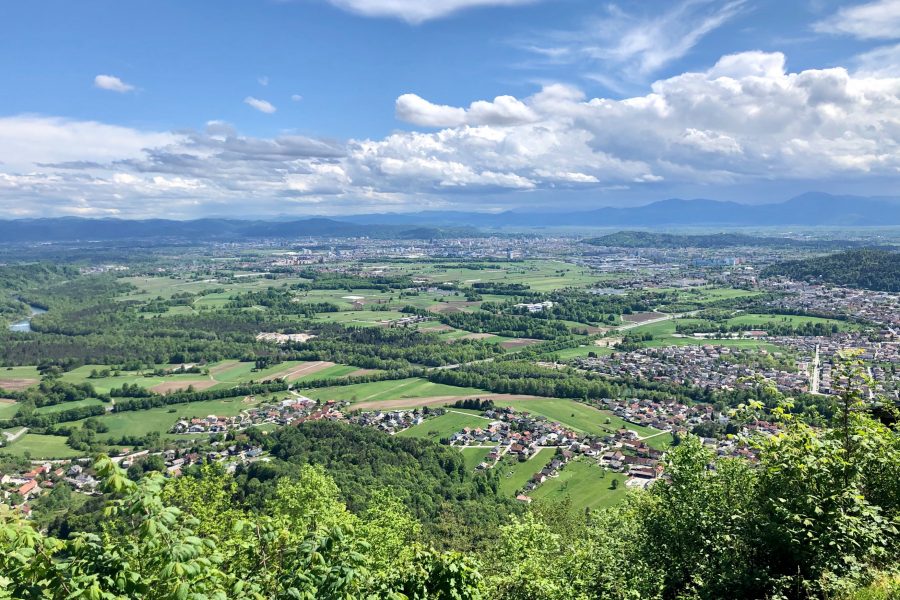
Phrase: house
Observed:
(28, 489)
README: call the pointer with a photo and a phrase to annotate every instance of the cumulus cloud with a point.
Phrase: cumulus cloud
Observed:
(112, 83)
(502, 110)
(417, 11)
(296, 98)
(418, 111)
(262, 106)
(869, 21)
(31, 139)
(745, 120)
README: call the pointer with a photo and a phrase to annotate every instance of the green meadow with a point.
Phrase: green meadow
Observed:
(39, 446)
(474, 456)
(444, 426)
(584, 484)
(389, 390)
(576, 415)
(515, 474)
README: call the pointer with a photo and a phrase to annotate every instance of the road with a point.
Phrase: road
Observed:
(642, 323)
(11, 437)
(667, 317)
(814, 376)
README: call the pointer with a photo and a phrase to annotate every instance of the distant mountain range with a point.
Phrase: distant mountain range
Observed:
(647, 239)
(813, 209)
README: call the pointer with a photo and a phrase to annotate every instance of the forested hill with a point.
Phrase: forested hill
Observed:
(456, 508)
(867, 268)
(78, 229)
(646, 239)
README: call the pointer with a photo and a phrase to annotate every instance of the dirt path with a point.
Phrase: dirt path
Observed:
(307, 369)
(459, 412)
(396, 387)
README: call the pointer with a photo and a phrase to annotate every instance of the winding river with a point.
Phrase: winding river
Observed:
(25, 324)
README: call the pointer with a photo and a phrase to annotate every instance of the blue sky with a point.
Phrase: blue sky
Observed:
(264, 107)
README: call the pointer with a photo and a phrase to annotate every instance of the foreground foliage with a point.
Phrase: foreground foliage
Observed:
(816, 517)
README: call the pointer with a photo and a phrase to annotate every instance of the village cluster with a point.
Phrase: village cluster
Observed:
(880, 354)
(881, 308)
(522, 435)
(707, 366)
(291, 411)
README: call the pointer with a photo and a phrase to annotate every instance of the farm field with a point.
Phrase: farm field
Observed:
(161, 419)
(748, 343)
(18, 378)
(332, 371)
(43, 410)
(474, 456)
(39, 446)
(576, 415)
(149, 288)
(366, 318)
(389, 390)
(581, 352)
(540, 275)
(795, 320)
(664, 334)
(444, 426)
(514, 475)
(369, 298)
(103, 385)
(584, 484)
(8, 408)
(221, 375)
(712, 294)
(659, 441)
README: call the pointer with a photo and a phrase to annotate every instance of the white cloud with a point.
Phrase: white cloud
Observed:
(503, 110)
(112, 83)
(417, 11)
(418, 111)
(261, 105)
(296, 98)
(31, 139)
(744, 121)
(630, 47)
(879, 62)
(872, 20)
(263, 80)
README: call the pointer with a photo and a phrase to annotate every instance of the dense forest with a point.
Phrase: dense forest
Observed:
(869, 268)
(346, 514)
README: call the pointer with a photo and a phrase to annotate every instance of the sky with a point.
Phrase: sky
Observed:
(271, 108)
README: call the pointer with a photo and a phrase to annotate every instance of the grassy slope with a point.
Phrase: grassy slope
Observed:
(584, 484)
(514, 475)
(576, 415)
(389, 390)
(41, 446)
(474, 456)
(444, 426)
